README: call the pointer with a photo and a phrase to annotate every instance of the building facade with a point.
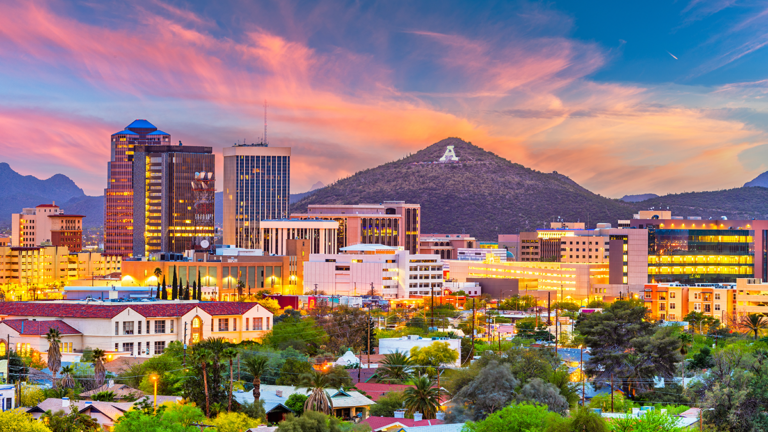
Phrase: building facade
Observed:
(47, 224)
(118, 196)
(169, 213)
(693, 251)
(393, 223)
(445, 245)
(321, 235)
(257, 187)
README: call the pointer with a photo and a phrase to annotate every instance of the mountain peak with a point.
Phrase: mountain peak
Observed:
(760, 181)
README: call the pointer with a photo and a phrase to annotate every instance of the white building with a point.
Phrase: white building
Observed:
(32, 227)
(322, 235)
(129, 328)
(395, 273)
(404, 344)
(480, 254)
(470, 288)
(7, 396)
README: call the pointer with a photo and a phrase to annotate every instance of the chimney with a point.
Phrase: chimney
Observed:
(65, 402)
(399, 413)
(417, 416)
(88, 403)
(440, 415)
(279, 393)
(111, 383)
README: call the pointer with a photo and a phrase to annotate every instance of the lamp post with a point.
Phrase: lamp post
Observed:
(153, 378)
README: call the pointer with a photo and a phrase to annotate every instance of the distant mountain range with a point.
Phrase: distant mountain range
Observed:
(482, 194)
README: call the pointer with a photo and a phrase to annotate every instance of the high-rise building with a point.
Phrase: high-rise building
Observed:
(171, 211)
(47, 224)
(257, 187)
(118, 202)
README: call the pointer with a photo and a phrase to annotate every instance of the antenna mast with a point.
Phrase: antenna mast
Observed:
(265, 121)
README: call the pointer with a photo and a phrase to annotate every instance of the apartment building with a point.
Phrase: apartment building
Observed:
(47, 224)
(445, 245)
(131, 328)
(389, 271)
(672, 302)
(320, 234)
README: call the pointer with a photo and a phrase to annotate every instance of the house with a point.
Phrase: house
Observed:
(121, 391)
(394, 424)
(346, 403)
(106, 413)
(7, 396)
(138, 328)
(454, 427)
(28, 335)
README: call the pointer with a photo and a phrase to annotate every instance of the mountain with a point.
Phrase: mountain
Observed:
(481, 194)
(316, 186)
(761, 180)
(92, 207)
(638, 198)
(18, 191)
(739, 203)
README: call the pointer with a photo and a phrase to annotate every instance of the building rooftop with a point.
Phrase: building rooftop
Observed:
(141, 124)
(46, 205)
(368, 248)
(159, 132)
(65, 215)
(109, 311)
(33, 328)
(125, 132)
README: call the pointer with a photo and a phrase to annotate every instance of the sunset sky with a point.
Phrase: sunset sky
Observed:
(657, 97)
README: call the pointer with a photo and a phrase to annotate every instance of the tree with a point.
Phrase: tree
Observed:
(54, 351)
(582, 420)
(292, 371)
(700, 322)
(603, 402)
(194, 291)
(422, 397)
(256, 366)
(524, 417)
(395, 368)
(186, 292)
(302, 334)
(100, 372)
(174, 285)
(234, 422)
(754, 323)
(269, 304)
(566, 306)
(651, 421)
(542, 392)
(310, 421)
(702, 359)
(434, 355)
(164, 293)
(66, 377)
(20, 421)
(72, 421)
(388, 404)
(597, 304)
(205, 381)
(339, 377)
(561, 379)
(240, 288)
(491, 390)
(318, 399)
(169, 417)
(296, 403)
(104, 396)
(202, 357)
(230, 354)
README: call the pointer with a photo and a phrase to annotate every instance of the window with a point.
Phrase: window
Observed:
(2, 349)
(707, 308)
(267, 323)
(247, 324)
(717, 296)
(196, 323)
(159, 347)
(128, 347)
(127, 327)
(671, 317)
(697, 306)
(223, 324)
(234, 324)
(147, 326)
(257, 323)
(662, 307)
(171, 327)
(671, 306)
(117, 330)
(139, 329)
(160, 326)
(647, 295)
(696, 296)
(717, 306)
(117, 347)
(672, 295)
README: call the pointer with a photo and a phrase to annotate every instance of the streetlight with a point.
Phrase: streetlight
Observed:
(154, 378)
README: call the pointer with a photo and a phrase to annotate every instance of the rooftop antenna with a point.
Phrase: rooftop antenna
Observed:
(265, 121)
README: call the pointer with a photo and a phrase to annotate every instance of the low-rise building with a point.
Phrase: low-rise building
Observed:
(388, 271)
(134, 328)
(320, 234)
(7, 397)
(347, 404)
(672, 302)
(445, 245)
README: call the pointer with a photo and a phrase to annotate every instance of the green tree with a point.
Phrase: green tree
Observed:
(292, 371)
(395, 368)
(54, 351)
(597, 304)
(164, 293)
(700, 322)
(31, 395)
(702, 359)
(582, 420)
(388, 404)
(256, 366)
(566, 306)
(169, 417)
(539, 391)
(603, 402)
(339, 377)
(524, 417)
(754, 323)
(318, 399)
(20, 421)
(310, 422)
(66, 377)
(100, 372)
(561, 378)
(174, 285)
(205, 380)
(301, 334)
(230, 354)
(423, 397)
(104, 396)
(72, 421)
(651, 421)
(492, 389)
(434, 356)
(296, 403)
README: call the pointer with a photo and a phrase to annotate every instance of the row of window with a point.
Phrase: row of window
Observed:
(128, 327)
(143, 348)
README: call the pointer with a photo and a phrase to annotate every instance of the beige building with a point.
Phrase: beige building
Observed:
(320, 234)
(46, 224)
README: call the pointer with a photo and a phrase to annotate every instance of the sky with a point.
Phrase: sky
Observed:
(623, 97)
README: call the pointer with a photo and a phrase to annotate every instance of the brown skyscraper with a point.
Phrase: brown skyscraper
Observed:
(118, 206)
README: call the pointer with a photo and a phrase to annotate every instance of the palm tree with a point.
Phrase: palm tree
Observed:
(754, 323)
(203, 356)
(318, 399)
(157, 272)
(99, 370)
(54, 351)
(685, 342)
(256, 366)
(230, 354)
(67, 381)
(423, 397)
(395, 368)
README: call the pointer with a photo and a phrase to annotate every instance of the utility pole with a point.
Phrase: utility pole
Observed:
(369, 333)
(184, 341)
(472, 348)
(432, 309)
(581, 367)
(557, 333)
(611, 392)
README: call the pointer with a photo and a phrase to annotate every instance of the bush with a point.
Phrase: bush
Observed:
(296, 403)
(387, 404)
(524, 417)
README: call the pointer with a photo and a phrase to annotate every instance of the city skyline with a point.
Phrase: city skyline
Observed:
(648, 106)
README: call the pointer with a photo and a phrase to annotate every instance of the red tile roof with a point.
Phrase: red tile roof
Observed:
(32, 328)
(377, 423)
(68, 310)
(377, 390)
(46, 205)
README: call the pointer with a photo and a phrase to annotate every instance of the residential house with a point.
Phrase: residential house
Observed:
(346, 403)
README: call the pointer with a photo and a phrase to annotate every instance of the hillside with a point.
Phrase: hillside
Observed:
(738, 203)
(638, 198)
(483, 194)
(761, 180)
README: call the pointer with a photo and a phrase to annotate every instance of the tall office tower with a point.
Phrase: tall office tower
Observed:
(168, 215)
(257, 187)
(118, 205)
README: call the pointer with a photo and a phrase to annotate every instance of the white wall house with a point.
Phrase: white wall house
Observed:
(134, 329)
(7, 396)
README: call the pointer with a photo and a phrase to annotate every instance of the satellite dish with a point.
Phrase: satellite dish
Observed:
(204, 243)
